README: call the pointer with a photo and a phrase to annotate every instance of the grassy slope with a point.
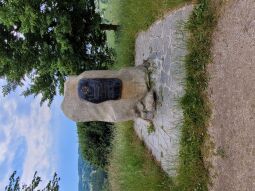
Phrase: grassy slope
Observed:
(131, 166)
(125, 171)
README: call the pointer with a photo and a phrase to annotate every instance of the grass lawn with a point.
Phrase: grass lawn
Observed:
(131, 167)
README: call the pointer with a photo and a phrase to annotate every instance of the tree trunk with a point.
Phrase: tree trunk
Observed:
(109, 27)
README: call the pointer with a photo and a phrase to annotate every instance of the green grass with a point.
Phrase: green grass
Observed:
(134, 16)
(193, 174)
(111, 14)
(131, 165)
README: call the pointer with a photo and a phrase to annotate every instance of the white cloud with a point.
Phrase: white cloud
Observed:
(35, 128)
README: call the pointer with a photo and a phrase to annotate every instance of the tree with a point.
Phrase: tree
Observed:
(95, 141)
(45, 41)
(113, 27)
(14, 183)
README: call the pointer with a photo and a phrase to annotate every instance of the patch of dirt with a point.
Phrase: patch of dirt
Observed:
(232, 94)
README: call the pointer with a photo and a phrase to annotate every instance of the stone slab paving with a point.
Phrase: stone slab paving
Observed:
(164, 42)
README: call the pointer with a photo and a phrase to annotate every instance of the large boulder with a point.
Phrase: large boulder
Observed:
(134, 90)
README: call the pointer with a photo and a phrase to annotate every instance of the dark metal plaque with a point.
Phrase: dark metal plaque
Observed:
(97, 90)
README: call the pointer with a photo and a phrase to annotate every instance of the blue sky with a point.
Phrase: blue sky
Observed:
(37, 138)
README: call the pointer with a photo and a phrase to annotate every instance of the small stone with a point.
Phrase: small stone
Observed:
(149, 102)
(140, 107)
(147, 115)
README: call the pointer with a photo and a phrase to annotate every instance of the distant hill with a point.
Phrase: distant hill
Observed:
(90, 177)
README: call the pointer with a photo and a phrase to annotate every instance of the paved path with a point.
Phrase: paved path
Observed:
(232, 90)
(164, 40)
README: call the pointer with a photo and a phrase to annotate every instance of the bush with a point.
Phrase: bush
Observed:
(95, 141)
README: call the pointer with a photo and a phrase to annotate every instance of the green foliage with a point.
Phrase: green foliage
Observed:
(151, 128)
(132, 167)
(95, 141)
(14, 183)
(47, 40)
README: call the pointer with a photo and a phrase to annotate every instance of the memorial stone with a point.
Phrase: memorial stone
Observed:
(107, 95)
